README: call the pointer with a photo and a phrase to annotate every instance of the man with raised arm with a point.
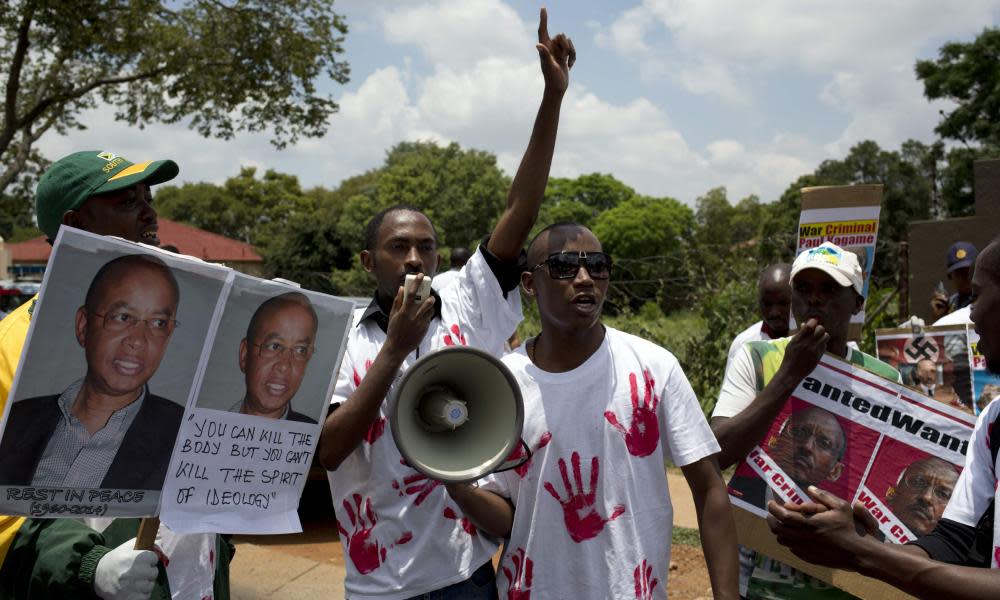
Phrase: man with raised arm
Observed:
(589, 517)
(960, 557)
(827, 282)
(401, 534)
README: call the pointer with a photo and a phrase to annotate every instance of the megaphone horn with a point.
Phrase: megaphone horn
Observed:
(457, 415)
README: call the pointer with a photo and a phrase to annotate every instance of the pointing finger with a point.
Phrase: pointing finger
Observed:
(543, 26)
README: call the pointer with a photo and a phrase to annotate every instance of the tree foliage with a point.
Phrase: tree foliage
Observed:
(252, 65)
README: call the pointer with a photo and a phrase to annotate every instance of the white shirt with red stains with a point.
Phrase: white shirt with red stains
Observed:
(402, 534)
(592, 514)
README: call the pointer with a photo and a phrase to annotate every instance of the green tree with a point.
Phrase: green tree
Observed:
(967, 75)
(252, 65)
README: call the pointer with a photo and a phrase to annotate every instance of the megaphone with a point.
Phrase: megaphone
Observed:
(457, 414)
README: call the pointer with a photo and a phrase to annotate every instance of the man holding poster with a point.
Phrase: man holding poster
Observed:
(106, 194)
(950, 562)
(827, 284)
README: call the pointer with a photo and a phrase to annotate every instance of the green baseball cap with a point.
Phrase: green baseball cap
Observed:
(68, 183)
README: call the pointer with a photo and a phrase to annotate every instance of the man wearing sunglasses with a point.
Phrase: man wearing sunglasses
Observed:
(274, 354)
(106, 430)
(401, 534)
(590, 517)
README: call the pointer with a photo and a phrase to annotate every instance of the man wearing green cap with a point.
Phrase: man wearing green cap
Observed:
(105, 194)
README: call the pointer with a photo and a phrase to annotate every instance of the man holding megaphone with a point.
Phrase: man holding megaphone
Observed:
(400, 531)
(590, 518)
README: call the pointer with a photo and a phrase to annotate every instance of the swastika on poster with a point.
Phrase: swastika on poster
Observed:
(917, 349)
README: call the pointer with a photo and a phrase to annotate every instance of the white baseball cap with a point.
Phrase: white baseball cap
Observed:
(836, 262)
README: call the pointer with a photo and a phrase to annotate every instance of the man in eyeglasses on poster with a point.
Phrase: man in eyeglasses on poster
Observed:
(274, 354)
(106, 430)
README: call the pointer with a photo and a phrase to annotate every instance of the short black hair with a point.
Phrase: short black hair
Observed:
(553, 227)
(371, 229)
(121, 266)
(277, 303)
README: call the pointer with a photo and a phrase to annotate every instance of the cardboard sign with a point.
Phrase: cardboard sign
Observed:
(863, 438)
(848, 217)
(933, 361)
(137, 360)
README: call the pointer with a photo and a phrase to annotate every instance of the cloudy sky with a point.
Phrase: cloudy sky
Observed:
(673, 97)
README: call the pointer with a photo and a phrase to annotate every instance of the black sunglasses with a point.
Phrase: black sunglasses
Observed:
(565, 265)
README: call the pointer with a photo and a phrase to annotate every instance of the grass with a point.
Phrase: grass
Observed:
(685, 536)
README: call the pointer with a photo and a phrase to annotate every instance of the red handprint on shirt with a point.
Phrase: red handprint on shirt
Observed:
(366, 553)
(519, 583)
(643, 435)
(358, 377)
(458, 339)
(519, 452)
(644, 581)
(417, 483)
(466, 524)
(375, 430)
(582, 519)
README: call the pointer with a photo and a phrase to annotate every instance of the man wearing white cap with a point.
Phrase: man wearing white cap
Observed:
(827, 284)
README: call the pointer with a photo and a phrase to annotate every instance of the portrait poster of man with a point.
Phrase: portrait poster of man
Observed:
(985, 385)
(907, 489)
(113, 349)
(244, 455)
(933, 361)
(863, 438)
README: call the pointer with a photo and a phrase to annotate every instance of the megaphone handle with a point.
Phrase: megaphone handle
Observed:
(517, 462)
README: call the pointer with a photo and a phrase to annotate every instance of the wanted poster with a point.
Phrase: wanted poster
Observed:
(985, 385)
(862, 438)
(114, 346)
(244, 453)
(847, 216)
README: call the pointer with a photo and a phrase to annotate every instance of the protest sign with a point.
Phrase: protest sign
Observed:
(118, 327)
(848, 217)
(985, 385)
(863, 438)
(933, 361)
(243, 456)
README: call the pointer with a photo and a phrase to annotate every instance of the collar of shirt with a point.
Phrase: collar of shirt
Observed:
(766, 329)
(119, 420)
(375, 312)
(238, 408)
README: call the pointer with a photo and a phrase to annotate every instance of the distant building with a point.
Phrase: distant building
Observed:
(28, 259)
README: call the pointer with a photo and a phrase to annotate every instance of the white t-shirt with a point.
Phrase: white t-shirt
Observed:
(592, 512)
(443, 280)
(977, 485)
(402, 534)
(961, 316)
(751, 334)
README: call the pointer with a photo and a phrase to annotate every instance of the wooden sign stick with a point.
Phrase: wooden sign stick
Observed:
(146, 537)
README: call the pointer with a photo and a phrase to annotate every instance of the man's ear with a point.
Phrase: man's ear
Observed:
(437, 267)
(836, 472)
(367, 261)
(81, 325)
(244, 347)
(72, 218)
(859, 303)
(528, 283)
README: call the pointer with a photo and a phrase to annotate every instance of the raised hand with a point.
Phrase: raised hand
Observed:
(581, 517)
(556, 54)
(467, 526)
(644, 581)
(643, 435)
(519, 582)
(409, 319)
(365, 551)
